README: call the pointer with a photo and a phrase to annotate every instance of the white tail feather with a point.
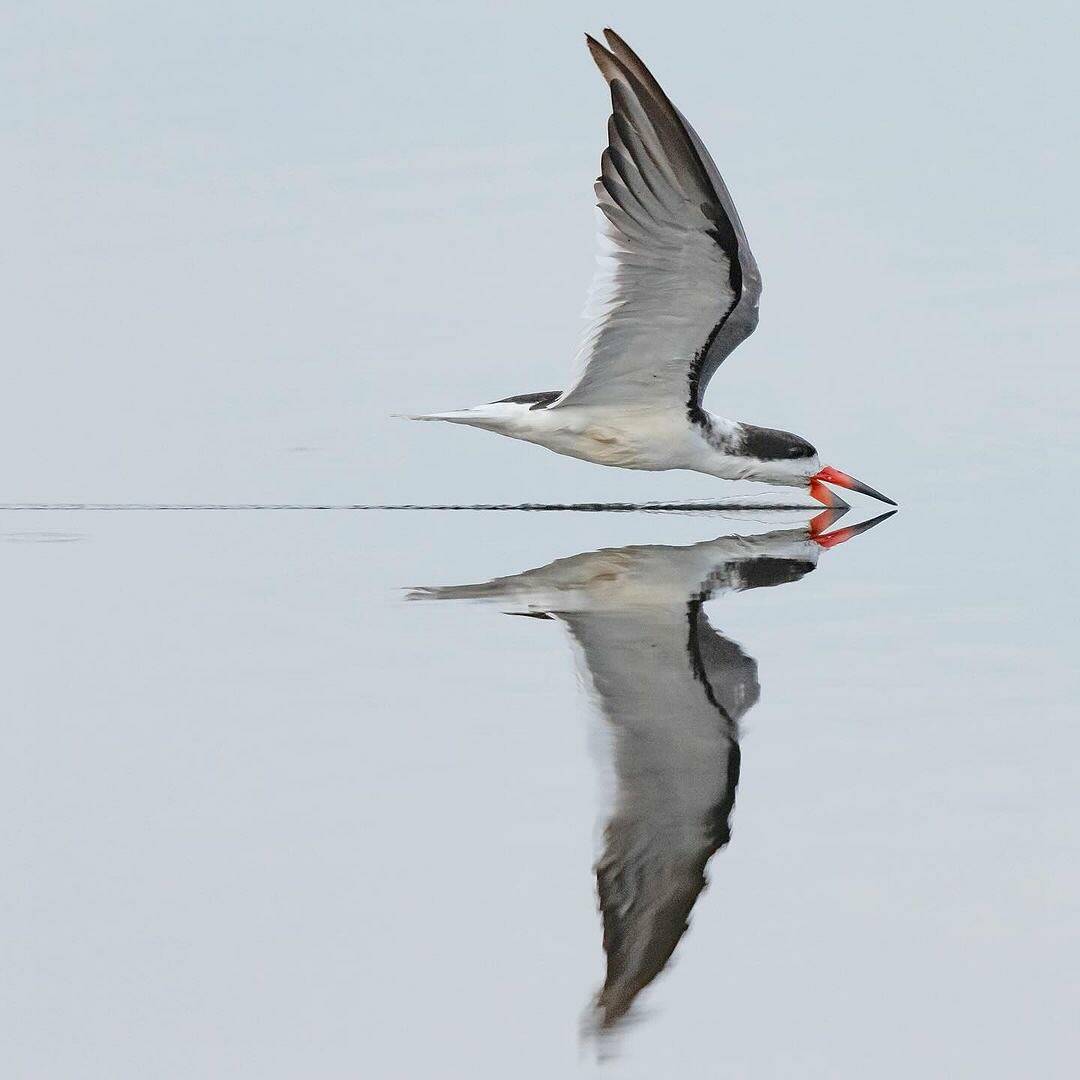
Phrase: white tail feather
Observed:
(494, 417)
(459, 417)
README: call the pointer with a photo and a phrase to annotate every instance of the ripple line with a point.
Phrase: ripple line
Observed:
(584, 507)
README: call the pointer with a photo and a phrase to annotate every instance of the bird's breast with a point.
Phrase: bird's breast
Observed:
(639, 440)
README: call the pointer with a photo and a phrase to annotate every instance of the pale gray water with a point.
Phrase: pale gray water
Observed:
(266, 818)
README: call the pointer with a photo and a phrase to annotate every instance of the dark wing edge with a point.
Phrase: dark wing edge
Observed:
(682, 142)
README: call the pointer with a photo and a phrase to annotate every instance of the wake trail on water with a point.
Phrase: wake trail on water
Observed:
(687, 507)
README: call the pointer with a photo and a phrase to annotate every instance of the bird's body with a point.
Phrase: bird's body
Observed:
(676, 291)
(650, 439)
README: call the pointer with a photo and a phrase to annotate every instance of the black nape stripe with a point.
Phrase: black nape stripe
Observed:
(540, 400)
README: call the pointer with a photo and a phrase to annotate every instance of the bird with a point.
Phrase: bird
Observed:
(671, 691)
(675, 292)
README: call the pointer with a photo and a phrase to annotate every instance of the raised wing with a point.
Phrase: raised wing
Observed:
(677, 287)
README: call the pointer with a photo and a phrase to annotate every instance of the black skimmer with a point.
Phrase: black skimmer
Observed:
(671, 692)
(676, 291)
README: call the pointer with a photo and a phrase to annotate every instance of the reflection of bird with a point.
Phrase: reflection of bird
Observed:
(673, 691)
(677, 290)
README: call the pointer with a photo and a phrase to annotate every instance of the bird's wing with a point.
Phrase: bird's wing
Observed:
(672, 690)
(677, 288)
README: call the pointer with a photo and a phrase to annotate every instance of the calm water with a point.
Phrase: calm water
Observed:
(272, 814)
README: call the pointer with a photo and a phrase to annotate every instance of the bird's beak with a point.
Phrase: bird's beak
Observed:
(829, 475)
(838, 536)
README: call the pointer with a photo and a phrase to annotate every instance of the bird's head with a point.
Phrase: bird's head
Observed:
(771, 456)
(780, 457)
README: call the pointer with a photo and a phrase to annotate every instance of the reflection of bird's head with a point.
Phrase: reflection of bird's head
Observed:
(765, 570)
(762, 571)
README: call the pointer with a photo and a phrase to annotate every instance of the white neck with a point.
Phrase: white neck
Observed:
(720, 443)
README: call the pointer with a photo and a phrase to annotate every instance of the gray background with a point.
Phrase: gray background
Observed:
(267, 820)
(239, 237)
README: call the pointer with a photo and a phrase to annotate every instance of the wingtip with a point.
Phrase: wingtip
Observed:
(599, 52)
(617, 44)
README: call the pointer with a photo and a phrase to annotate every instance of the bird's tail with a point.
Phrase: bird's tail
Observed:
(451, 417)
(494, 417)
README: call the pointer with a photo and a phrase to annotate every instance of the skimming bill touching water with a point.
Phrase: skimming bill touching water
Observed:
(676, 292)
(672, 691)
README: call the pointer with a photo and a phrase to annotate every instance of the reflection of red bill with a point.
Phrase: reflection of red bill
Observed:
(829, 475)
(825, 520)
(828, 540)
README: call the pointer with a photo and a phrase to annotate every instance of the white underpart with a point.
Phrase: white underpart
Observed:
(650, 439)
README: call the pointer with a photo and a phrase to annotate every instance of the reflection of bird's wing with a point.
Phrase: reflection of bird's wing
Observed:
(672, 690)
(677, 287)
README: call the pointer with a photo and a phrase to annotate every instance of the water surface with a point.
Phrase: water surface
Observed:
(272, 817)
